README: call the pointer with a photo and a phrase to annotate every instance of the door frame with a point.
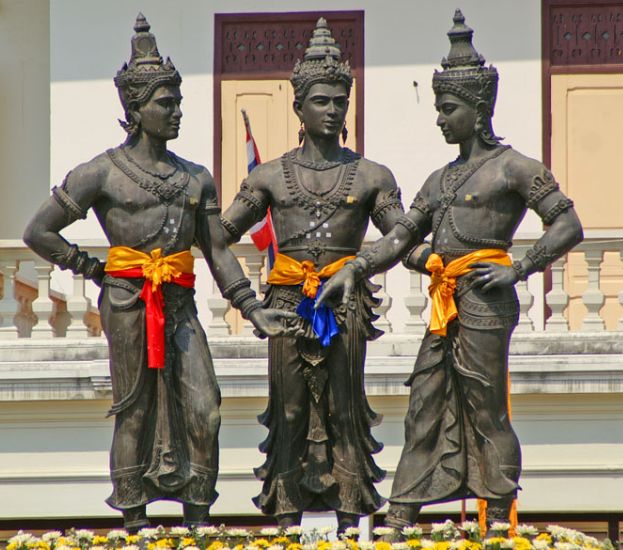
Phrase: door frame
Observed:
(221, 19)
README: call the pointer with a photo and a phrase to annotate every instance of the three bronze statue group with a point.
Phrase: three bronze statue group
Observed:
(319, 310)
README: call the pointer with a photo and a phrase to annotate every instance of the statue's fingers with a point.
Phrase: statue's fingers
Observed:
(348, 289)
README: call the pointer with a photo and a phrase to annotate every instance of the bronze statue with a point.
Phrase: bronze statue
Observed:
(459, 439)
(152, 206)
(321, 197)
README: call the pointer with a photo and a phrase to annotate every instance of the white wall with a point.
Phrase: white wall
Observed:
(404, 42)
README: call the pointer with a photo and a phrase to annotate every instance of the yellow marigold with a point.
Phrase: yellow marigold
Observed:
(545, 537)
(165, 543)
(133, 539)
(238, 547)
(260, 543)
(471, 545)
(294, 546)
(522, 543)
(216, 545)
(323, 545)
(187, 541)
(494, 540)
(11, 546)
(382, 545)
(151, 546)
(99, 539)
(352, 544)
(414, 543)
(281, 540)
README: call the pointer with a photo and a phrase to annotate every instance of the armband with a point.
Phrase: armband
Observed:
(540, 257)
(541, 187)
(561, 206)
(421, 204)
(211, 207)
(522, 273)
(246, 196)
(80, 263)
(73, 210)
(231, 228)
(391, 201)
(409, 225)
(360, 265)
(242, 297)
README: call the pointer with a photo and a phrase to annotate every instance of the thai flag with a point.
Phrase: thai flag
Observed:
(262, 233)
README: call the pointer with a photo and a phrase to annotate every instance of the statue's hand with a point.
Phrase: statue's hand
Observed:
(490, 275)
(274, 322)
(341, 284)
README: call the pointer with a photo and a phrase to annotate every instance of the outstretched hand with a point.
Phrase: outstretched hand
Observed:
(491, 275)
(341, 284)
(274, 322)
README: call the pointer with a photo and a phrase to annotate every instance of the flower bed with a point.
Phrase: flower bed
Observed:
(443, 536)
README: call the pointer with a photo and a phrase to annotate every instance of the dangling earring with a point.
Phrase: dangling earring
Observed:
(301, 133)
(344, 133)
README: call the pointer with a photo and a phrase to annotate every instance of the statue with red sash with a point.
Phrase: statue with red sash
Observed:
(321, 198)
(153, 206)
(459, 439)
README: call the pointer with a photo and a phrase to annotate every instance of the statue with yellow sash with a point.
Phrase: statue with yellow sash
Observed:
(459, 439)
(321, 198)
(153, 206)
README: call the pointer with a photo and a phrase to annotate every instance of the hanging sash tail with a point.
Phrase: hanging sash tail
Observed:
(127, 263)
(290, 272)
(262, 233)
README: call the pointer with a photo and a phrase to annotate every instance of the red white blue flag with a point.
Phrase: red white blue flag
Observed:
(262, 233)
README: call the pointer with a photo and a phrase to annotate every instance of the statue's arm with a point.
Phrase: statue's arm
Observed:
(226, 270)
(248, 207)
(563, 230)
(387, 206)
(68, 203)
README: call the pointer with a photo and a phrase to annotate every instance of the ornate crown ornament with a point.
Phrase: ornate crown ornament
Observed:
(138, 79)
(464, 73)
(322, 63)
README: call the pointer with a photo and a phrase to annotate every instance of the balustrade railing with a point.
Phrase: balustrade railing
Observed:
(31, 308)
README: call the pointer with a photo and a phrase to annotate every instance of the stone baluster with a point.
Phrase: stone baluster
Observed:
(254, 261)
(77, 306)
(415, 302)
(43, 306)
(9, 304)
(620, 327)
(218, 307)
(557, 299)
(526, 300)
(381, 310)
(593, 298)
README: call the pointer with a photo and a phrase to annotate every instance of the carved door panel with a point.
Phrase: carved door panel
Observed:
(587, 115)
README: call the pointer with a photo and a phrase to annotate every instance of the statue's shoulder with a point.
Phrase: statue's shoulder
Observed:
(92, 172)
(264, 175)
(519, 168)
(376, 173)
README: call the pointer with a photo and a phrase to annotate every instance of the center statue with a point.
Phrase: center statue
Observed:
(153, 206)
(459, 439)
(321, 197)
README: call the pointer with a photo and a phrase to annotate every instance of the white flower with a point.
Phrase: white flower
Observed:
(469, 526)
(564, 546)
(237, 532)
(63, 547)
(207, 531)
(150, 532)
(179, 531)
(191, 548)
(96, 547)
(414, 531)
(400, 546)
(428, 543)
(309, 546)
(366, 545)
(338, 545)
(21, 539)
(130, 547)
(352, 532)
(116, 534)
(500, 526)
(294, 530)
(84, 534)
(383, 531)
(524, 530)
(540, 544)
(325, 530)
(51, 536)
(275, 547)
(270, 531)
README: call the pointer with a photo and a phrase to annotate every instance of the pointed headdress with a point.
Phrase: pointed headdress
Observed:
(322, 63)
(138, 79)
(464, 73)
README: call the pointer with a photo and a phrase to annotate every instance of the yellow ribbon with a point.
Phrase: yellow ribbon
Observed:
(156, 268)
(288, 271)
(443, 283)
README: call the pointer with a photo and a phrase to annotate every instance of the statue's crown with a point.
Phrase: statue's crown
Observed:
(146, 70)
(464, 73)
(322, 63)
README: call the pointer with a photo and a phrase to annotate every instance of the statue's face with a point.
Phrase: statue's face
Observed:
(160, 116)
(456, 119)
(324, 109)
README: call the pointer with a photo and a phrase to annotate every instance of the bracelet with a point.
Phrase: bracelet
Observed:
(522, 273)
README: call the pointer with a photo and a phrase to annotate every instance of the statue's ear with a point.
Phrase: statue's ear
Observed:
(298, 110)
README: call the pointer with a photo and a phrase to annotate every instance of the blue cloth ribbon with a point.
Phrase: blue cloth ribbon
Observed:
(322, 319)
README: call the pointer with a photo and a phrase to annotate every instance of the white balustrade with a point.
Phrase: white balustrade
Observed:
(44, 314)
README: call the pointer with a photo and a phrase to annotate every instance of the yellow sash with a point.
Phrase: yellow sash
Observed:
(288, 271)
(443, 283)
(156, 268)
